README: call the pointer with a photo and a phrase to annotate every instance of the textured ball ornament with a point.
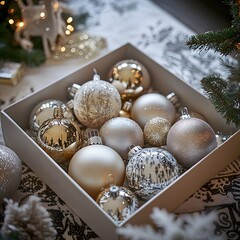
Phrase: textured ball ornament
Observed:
(156, 130)
(44, 110)
(118, 202)
(59, 137)
(95, 102)
(120, 133)
(152, 105)
(190, 139)
(150, 170)
(92, 165)
(10, 172)
(130, 77)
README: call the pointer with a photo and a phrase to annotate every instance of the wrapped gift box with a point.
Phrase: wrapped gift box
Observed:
(15, 122)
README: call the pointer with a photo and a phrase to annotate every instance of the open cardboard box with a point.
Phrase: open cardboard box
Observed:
(15, 120)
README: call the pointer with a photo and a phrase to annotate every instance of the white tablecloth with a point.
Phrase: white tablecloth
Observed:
(163, 38)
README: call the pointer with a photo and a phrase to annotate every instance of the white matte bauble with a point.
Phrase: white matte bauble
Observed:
(95, 102)
(120, 133)
(10, 172)
(190, 139)
(152, 105)
(92, 165)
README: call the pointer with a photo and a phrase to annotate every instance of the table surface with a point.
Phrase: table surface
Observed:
(162, 37)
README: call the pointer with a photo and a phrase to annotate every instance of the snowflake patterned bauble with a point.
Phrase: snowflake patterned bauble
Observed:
(59, 137)
(190, 139)
(96, 166)
(95, 102)
(152, 105)
(150, 170)
(10, 172)
(118, 202)
(120, 134)
(131, 78)
(44, 110)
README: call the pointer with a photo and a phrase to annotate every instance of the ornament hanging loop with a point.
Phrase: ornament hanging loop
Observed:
(185, 114)
(95, 76)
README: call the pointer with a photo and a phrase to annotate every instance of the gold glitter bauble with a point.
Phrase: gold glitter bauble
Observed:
(156, 130)
(59, 137)
(190, 139)
(95, 102)
(130, 77)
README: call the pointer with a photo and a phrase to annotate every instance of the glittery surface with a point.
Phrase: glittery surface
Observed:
(191, 139)
(96, 102)
(119, 203)
(156, 130)
(150, 170)
(10, 172)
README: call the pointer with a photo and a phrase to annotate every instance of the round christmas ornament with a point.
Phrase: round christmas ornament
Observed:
(120, 133)
(10, 172)
(95, 102)
(59, 137)
(150, 170)
(156, 130)
(118, 202)
(190, 139)
(130, 77)
(92, 165)
(44, 110)
(152, 105)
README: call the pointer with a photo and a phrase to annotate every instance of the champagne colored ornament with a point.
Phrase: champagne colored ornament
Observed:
(152, 105)
(120, 133)
(156, 130)
(44, 110)
(59, 137)
(118, 202)
(131, 78)
(91, 166)
(150, 170)
(190, 139)
(95, 102)
(126, 110)
(10, 172)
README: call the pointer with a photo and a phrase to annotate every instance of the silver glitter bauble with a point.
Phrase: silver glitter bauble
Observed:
(59, 137)
(190, 139)
(44, 110)
(118, 202)
(150, 170)
(152, 105)
(10, 172)
(120, 133)
(130, 77)
(156, 130)
(92, 165)
(95, 102)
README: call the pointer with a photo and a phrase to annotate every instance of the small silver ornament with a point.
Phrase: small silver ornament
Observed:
(10, 172)
(59, 137)
(44, 110)
(118, 202)
(190, 139)
(95, 102)
(150, 170)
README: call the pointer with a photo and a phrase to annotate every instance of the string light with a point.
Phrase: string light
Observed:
(2, 3)
(69, 20)
(42, 15)
(11, 21)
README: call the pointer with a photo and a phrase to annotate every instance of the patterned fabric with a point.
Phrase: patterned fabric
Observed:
(162, 37)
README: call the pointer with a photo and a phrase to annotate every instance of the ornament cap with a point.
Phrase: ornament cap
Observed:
(58, 112)
(133, 150)
(174, 99)
(127, 106)
(96, 77)
(114, 191)
(73, 89)
(94, 138)
(185, 114)
(70, 104)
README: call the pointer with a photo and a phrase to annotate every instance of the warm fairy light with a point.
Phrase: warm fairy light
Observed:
(67, 32)
(56, 6)
(69, 20)
(70, 28)
(11, 10)
(19, 24)
(11, 21)
(2, 2)
(42, 15)
(63, 49)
